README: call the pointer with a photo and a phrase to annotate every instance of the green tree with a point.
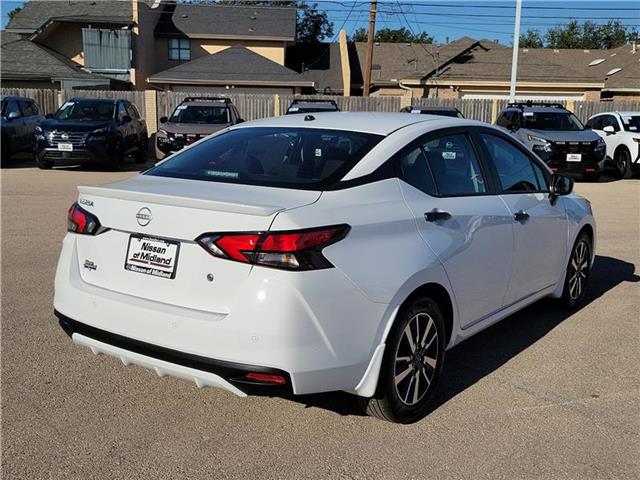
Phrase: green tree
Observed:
(565, 36)
(13, 13)
(589, 35)
(392, 35)
(532, 38)
(613, 34)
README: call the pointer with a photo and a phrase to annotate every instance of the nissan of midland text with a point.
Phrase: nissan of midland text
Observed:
(322, 252)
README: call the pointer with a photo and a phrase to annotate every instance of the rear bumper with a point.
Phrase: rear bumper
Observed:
(203, 371)
(589, 167)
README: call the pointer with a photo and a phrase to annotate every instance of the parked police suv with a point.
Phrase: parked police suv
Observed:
(89, 130)
(193, 119)
(557, 136)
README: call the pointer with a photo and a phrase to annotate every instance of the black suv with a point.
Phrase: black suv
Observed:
(557, 136)
(194, 118)
(304, 105)
(92, 130)
(20, 117)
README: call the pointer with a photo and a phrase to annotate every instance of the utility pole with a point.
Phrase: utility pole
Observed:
(370, 37)
(514, 58)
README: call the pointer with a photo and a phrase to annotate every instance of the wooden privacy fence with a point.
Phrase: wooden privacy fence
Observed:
(153, 105)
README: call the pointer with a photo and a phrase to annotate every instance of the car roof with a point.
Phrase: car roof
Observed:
(367, 122)
(15, 97)
(433, 108)
(105, 100)
(318, 105)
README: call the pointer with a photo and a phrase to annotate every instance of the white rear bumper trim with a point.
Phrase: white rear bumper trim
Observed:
(162, 368)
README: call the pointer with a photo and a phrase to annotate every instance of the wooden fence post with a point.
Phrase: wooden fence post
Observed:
(276, 105)
(61, 96)
(151, 111)
(494, 110)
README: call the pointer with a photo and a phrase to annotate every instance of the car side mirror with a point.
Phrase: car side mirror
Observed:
(513, 127)
(13, 115)
(560, 185)
(609, 130)
(163, 119)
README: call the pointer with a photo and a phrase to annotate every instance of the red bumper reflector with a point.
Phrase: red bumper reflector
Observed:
(590, 169)
(266, 378)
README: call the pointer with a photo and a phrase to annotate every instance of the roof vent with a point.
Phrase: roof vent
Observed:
(613, 54)
(597, 61)
(586, 50)
(612, 71)
(525, 50)
(555, 50)
(309, 118)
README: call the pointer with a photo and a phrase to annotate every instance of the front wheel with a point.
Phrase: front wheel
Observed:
(622, 161)
(411, 366)
(117, 153)
(140, 155)
(578, 269)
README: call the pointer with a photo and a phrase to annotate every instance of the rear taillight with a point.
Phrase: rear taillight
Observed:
(81, 221)
(292, 250)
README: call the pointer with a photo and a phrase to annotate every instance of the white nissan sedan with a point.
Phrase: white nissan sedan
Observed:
(321, 252)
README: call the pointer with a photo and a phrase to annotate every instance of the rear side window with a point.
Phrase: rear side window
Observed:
(454, 165)
(29, 108)
(415, 171)
(515, 169)
(11, 107)
(304, 158)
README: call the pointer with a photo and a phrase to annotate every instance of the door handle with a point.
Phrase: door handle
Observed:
(521, 216)
(436, 215)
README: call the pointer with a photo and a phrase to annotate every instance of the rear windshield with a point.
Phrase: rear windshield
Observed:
(551, 121)
(86, 110)
(200, 114)
(304, 158)
(631, 123)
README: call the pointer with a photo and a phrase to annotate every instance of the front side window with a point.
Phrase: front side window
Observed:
(179, 49)
(594, 123)
(200, 114)
(610, 121)
(122, 111)
(11, 107)
(454, 166)
(305, 158)
(133, 111)
(515, 170)
(551, 120)
(88, 110)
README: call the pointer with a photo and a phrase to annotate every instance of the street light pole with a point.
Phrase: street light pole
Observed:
(514, 58)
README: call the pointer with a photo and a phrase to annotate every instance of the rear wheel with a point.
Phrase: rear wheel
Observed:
(578, 269)
(411, 366)
(622, 162)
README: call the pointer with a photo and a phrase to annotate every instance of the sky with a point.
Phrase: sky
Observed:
(451, 19)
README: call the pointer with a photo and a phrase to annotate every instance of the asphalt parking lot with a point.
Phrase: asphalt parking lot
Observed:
(543, 394)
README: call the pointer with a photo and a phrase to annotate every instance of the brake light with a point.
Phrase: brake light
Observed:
(81, 221)
(266, 378)
(292, 250)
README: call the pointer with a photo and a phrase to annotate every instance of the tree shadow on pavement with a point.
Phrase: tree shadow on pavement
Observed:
(487, 351)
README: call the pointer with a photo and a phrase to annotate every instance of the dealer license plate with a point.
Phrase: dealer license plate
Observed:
(574, 157)
(65, 147)
(152, 256)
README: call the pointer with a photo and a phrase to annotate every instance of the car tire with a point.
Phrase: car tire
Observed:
(116, 161)
(409, 375)
(140, 155)
(622, 163)
(578, 271)
(591, 177)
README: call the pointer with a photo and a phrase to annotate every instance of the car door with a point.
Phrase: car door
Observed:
(611, 139)
(124, 125)
(30, 120)
(539, 223)
(460, 218)
(137, 124)
(15, 125)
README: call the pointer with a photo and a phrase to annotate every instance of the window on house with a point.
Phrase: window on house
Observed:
(179, 49)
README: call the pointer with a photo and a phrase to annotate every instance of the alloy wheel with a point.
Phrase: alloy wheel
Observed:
(416, 359)
(578, 270)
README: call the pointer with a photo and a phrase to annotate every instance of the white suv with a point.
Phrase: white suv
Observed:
(621, 133)
(320, 252)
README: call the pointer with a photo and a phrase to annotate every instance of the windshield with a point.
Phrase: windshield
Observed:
(551, 121)
(281, 157)
(86, 110)
(631, 123)
(200, 114)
